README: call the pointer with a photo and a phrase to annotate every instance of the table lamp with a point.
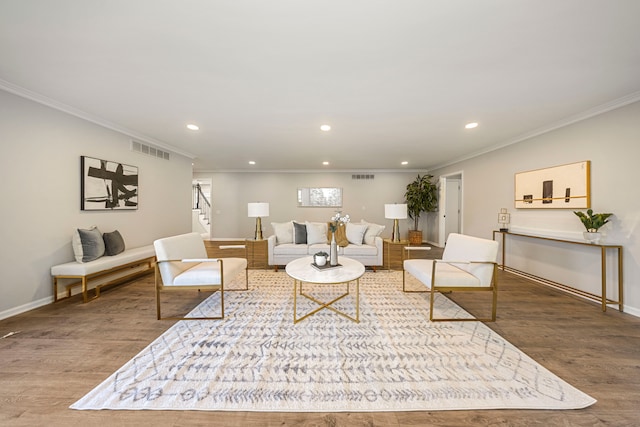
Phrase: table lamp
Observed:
(258, 210)
(395, 212)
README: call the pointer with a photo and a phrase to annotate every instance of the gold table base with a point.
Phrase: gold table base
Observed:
(327, 305)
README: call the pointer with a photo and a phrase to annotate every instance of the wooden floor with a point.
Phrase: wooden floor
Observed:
(63, 350)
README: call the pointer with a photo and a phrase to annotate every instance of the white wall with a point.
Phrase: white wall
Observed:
(40, 151)
(611, 142)
(362, 199)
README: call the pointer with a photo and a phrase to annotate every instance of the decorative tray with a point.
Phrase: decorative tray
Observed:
(325, 267)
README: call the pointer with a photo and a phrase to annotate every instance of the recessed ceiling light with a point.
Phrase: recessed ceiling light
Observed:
(325, 128)
(251, 162)
(325, 163)
(191, 126)
(471, 125)
(404, 163)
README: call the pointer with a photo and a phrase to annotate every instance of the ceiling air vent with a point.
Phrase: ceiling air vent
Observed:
(363, 176)
(149, 150)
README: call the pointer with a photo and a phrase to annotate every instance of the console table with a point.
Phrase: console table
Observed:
(602, 298)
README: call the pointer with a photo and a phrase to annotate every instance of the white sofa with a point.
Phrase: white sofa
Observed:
(283, 249)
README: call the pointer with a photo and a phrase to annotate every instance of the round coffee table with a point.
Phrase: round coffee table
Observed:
(302, 271)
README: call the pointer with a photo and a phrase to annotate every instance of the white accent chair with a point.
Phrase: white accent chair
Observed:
(182, 264)
(468, 264)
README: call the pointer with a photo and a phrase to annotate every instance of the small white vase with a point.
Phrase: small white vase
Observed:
(592, 237)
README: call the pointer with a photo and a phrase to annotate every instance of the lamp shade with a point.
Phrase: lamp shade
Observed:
(395, 211)
(258, 209)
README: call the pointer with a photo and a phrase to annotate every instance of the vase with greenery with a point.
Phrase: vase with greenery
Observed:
(592, 223)
(421, 196)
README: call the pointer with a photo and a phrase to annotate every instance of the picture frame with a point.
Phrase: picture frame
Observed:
(558, 187)
(107, 185)
(320, 197)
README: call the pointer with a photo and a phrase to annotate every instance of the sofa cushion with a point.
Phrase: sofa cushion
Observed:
(299, 233)
(360, 250)
(316, 232)
(88, 244)
(373, 231)
(283, 232)
(290, 249)
(341, 235)
(355, 233)
(113, 243)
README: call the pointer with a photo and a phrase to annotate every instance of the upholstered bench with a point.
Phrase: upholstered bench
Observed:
(101, 256)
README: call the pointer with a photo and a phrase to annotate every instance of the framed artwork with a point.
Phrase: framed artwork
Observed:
(107, 185)
(320, 197)
(557, 187)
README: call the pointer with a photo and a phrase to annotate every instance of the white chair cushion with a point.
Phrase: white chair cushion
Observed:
(461, 247)
(208, 273)
(447, 275)
(204, 273)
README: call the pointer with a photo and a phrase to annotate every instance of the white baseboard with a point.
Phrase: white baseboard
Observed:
(25, 307)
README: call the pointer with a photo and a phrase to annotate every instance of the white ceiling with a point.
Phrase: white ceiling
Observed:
(397, 80)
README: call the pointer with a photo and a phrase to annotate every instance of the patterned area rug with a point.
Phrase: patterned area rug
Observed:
(256, 359)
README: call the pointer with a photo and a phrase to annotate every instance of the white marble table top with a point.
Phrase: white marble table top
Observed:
(301, 269)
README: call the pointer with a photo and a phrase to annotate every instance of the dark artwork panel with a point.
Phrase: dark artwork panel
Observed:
(108, 185)
(547, 192)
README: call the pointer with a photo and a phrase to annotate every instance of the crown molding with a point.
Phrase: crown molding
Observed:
(592, 112)
(41, 99)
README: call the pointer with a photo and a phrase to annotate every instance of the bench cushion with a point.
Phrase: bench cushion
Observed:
(103, 263)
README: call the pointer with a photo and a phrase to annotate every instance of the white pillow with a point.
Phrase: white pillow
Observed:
(316, 232)
(373, 231)
(283, 232)
(355, 233)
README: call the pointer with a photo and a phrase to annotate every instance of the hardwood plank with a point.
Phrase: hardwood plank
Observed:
(65, 349)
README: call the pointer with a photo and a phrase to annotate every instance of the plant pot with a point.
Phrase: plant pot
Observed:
(415, 237)
(592, 237)
(320, 260)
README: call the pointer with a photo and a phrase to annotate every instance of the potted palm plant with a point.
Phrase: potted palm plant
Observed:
(421, 196)
(592, 222)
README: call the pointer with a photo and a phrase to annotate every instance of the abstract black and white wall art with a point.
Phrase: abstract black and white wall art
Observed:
(557, 187)
(108, 185)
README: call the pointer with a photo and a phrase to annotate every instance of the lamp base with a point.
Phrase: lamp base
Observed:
(396, 231)
(258, 233)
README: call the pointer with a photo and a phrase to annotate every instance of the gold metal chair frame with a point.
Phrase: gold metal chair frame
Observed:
(323, 304)
(448, 289)
(159, 286)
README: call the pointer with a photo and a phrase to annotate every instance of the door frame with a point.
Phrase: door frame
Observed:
(442, 204)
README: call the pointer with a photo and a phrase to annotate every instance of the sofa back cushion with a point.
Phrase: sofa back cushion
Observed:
(316, 232)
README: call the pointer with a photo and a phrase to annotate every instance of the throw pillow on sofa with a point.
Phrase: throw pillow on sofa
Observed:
(373, 231)
(341, 235)
(283, 232)
(355, 233)
(316, 232)
(88, 244)
(299, 233)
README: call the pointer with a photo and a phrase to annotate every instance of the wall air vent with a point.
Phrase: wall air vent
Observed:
(363, 176)
(149, 150)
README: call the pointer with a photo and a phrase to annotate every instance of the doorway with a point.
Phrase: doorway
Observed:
(451, 209)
